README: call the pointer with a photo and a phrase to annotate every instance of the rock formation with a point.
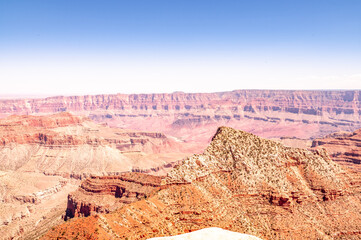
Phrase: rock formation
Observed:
(241, 183)
(343, 147)
(193, 117)
(41, 158)
(106, 194)
(70, 146)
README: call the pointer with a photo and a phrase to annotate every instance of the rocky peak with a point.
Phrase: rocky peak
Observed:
(263, 165)
(246, 184)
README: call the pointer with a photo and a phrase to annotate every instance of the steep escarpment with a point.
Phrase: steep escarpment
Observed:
(196, 116)
(344, 148)
(105, 194)
(305, 102)
(242, 183)
(67, 145)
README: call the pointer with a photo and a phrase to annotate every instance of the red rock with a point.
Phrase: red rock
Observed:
(123, 189)
(343, 147)
(194, 117)
(245, 184)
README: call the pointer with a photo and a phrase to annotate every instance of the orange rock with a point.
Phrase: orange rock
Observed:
(319, 199)
(343, 147)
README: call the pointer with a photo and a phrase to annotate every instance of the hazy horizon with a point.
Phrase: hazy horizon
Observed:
(90, 47)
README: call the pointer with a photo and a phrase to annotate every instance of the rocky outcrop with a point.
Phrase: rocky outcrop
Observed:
(343, 147)
(241, 183)
(123, 189)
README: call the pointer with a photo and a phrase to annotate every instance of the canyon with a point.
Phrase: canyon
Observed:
(70, 146)
(194, 117)
(43, 159)
(241, 183)
(92, 155)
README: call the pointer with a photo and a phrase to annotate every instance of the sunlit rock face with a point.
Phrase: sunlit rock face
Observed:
(242, 183)
(343, 147)
(43, 157)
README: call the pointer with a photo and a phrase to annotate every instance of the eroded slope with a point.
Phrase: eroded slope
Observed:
(67, 145)
(245, 184)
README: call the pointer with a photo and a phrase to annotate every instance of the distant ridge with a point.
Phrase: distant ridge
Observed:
(194, 117)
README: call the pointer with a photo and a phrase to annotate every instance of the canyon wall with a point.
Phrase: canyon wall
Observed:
(304, 102)
(343, 147)
(42, 158)
(107, 193)
(193, 117)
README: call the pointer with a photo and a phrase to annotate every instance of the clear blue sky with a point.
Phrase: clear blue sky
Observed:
(62, 47)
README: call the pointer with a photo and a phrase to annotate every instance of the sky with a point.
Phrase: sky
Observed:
(78, 47)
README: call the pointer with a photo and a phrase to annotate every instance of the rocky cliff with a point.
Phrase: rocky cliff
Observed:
(196, 116)
(241, 183)
(41, 158)
(344, 148)
(105, 194)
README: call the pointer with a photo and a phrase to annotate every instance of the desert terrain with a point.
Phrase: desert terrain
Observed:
(43, 159)
(87, 159)
(242, 183)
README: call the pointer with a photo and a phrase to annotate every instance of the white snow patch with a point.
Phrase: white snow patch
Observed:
(212, 233)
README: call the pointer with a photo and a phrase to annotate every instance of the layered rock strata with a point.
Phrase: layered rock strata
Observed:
(343, 147)
(70, 146)
(43, 157)
(242, 183)
(105, 194)
(31, 203)
(196, 116)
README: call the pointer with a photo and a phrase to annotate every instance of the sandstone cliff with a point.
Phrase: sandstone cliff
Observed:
(196, 116)
(245, 184)
(106, 194)
(344, 148)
